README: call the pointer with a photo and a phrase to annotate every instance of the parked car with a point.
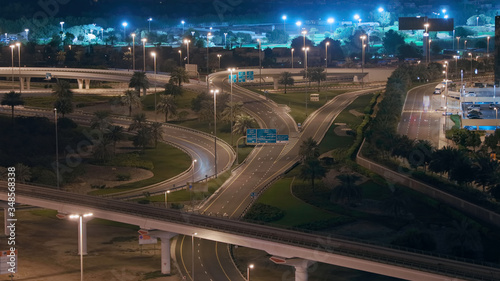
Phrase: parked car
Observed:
(474, 106)
(471, 94)
(474, 111)
(492, 106)
(475, 117)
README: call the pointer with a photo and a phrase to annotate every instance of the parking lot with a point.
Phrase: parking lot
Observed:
(482, 111)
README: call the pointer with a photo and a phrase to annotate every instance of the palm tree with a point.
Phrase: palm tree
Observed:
(62, 90)
(156, 132)
(173, 89)
(443, 159)
(242, 123)
(286, 79)
(142, 138)
(178, 76)
(101, 120)
(23, 173)
(236, 110)
(348, 191)
(138, 122)
(397, 203)
(12, 99)
(311, 170)
(115, 134)
(101, 150)
(309, 149)
(139, 81)
(63, 106)
(317, 74)
(168, 105)
(131, 99)
(465, 234)
(486, 171)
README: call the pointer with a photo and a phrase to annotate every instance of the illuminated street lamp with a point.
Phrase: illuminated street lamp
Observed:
(430, 41)
(260, 65)
(330, 21)
(363, 38)
(166, 198)
(80, 236)
(470, 55)
(183, 22)
(496, 117)
(186, 41)
(154, 61)
(298, 24)
(465, 45)
(144, 40)
(326, 55)
(19, 61)
(208, 54)
(149, 24)
(133, 51)
(192, 255)
(306, 49)
(215, 92)
(284, 20)
(304, 32)
(62, 26)
(219, 56)
(250, 266)
(180, 58)
(477, 21)
(488, 46)
(124, 24)
(232, 117)
(27, 31)
(292, 56)
(458, 42)
(12, 68)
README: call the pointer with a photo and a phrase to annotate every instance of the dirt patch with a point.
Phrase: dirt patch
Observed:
(341, 130)
(356, 113)
(48, 250)
(105, 175)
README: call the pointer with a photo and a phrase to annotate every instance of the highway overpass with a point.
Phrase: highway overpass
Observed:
(284, 243)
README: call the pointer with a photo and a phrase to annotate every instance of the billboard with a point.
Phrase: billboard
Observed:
(417, 23)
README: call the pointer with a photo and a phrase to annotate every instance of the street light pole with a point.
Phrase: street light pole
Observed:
(260, 65)
(154, 61)
(250, 266)
(292, 57)
(208, 71)
(183, 22)
(232, 117)
(166, 199)
(225, 40)
(81, 239)
(27, 31)
(187, 44)
(488, 46)
(149, 25)
(124, 24)
(219, 56)
(284, 20)
(192, 255)
(470, 54)
(305, 51)
(133, 51)
(326, 55)
(363, 45)
(180, 58)
(57, 149)
(62, 26)
(215, 92)
(12, 68)
(144, 52)
(465, 45)
(19, 59)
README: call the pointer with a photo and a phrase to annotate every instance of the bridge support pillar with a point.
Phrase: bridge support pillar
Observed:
(300, 265)
(5, 207)
(275, 80)
(80, 84)
(87, 84)
(28, 83)
(21, 81)
(165, 249)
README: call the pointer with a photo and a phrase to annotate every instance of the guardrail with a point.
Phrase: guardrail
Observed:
(347, 246)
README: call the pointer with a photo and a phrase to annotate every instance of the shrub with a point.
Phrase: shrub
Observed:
(265, 213)
(123, 177)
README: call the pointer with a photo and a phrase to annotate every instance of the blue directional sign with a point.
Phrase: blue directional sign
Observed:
(260, 136)
(251, 135)
(266, 136)
(250, 75)
(233, 78)
(281, 138)
(241, 76)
